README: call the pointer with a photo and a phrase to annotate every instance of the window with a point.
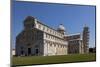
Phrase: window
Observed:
(61, 46)
(43, 28)
(47, 29)
(58, 45)
(50, 44)
(50, 36)
(46, 35)
(39, 26)
(54, 37)
(53, 32)
(54, 45)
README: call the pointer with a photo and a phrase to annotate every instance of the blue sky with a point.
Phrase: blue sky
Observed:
(73, 17)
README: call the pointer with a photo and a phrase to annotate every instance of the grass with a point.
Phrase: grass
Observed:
(35, 60)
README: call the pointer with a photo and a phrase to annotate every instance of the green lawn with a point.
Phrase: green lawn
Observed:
(33, 60)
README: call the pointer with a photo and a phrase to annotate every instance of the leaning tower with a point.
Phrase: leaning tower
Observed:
(86, 39)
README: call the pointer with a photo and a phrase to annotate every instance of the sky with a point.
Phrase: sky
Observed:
(73, 17)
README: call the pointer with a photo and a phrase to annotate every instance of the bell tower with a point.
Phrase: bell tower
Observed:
(85, 39)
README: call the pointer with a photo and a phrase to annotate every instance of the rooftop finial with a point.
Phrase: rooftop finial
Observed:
(85, 25)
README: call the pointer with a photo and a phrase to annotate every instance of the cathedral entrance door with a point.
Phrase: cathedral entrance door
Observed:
(29, 51)
(36, 51)
(22, 52)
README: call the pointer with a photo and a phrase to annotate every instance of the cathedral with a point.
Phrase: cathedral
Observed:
(38, 39)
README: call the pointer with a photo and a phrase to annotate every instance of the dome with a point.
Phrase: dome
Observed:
(29, 18)
(61, 27)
